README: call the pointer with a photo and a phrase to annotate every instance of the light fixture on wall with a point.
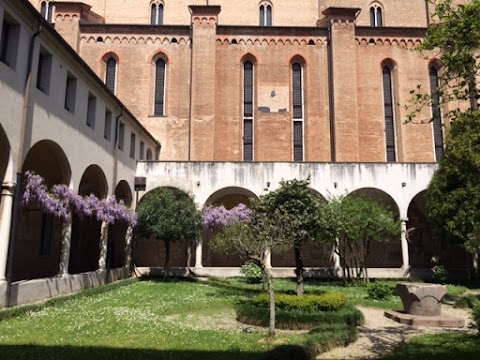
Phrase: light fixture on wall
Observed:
(335, 184)
(404, 184)
(268, 184)
(198, 183)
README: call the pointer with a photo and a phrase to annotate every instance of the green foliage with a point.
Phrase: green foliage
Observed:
(439, 272)
(453, 196)
(379, 291)
(455, 38)
(356, 222)
(252, 272)
(330, 301)
(476, 317)
(168, 215)
(297, 318)
(467, 301)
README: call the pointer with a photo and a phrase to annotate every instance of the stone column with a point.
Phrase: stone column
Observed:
(268, 258)
(198, 253)
(65, 250)
(128, 247)
(6, 209)
(337, 267)
(404, 242)
(102, 259)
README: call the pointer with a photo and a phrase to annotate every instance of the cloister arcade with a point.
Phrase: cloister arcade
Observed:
(400, 187)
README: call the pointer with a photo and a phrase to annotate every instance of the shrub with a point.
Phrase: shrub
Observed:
(439, 272)
(476, 317)
(252, 272)
(330, 301)
(467, 301)
(379, 291)
(298, 319)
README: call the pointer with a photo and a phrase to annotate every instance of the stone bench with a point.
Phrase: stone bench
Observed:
(421, 299)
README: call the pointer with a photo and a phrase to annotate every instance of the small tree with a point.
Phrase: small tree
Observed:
(250, 234)
(296, 204)
(171, 216)
(352, 223)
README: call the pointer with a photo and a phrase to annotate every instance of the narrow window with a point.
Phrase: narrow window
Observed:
(44, 71)
(389, 117)
(132, 145)
(156, 14)
(376, 18)
(142, 150)
(436, 113)
(159, 103)
(297, 103)
(248, 111)
(265, 15)
(91, 109)
(46, 9)
(149, 154)
(121, 135)
(107, 130)
(9, 42)
(111, 74)
(70, 93)
(268, 14)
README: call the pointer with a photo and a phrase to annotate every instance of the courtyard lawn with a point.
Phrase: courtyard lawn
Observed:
(439, 347)
(148, 320)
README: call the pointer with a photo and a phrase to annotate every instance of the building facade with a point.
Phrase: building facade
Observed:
(241, 94)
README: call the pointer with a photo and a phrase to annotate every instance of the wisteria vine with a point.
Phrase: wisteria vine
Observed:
(61, 201)
(218, 217)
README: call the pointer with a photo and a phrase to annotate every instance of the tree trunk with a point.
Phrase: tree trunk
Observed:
(299, 267)
(166, 269)
(271, 292)
(472, 92)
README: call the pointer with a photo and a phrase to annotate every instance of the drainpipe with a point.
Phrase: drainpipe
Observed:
(115, 149)
(21, 153)
(427, 12)
(331, 95)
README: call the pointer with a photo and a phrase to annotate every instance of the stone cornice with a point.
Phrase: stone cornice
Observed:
(106, 29)
(397, 36)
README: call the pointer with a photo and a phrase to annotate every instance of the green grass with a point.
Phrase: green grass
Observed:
(145, 320)
(439, 347)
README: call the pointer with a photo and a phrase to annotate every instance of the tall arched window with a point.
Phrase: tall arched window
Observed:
(46, 9)
(156, 13)
(266, 14)
(248, 111)
(389, 114)
(376, 15)
(297, 111)
(111, 73)
(159, 101)
(436, 113)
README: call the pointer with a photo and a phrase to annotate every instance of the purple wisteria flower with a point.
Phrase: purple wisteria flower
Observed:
(61, 201)
(218, 217)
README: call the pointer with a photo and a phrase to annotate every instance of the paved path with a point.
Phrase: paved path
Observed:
(380, 335)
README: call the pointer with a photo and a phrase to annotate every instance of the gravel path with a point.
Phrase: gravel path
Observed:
(380, 335)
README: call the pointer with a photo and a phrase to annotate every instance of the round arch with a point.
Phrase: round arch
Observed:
(423, 244)
(118, 231)
(385, 254)
(38, 243)
(85, 240)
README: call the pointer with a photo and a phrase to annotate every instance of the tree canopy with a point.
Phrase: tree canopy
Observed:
(169, 215)
(453, 197)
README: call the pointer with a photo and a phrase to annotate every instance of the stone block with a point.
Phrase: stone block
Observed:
(421, 299)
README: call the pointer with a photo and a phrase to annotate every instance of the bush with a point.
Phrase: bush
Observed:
(476, 317)
(379, 291)
(298, 319)
(252, 272)
(330, 301)
(467, 301)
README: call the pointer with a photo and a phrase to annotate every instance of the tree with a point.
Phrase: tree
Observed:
(171, 216)
(252, 234)
(296, 204)
(455, 39)
(351, 224)
(453, 196)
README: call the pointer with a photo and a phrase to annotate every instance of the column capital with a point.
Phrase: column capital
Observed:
(8, 189)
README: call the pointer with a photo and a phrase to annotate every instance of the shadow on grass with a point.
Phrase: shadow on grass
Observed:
(38, 352)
